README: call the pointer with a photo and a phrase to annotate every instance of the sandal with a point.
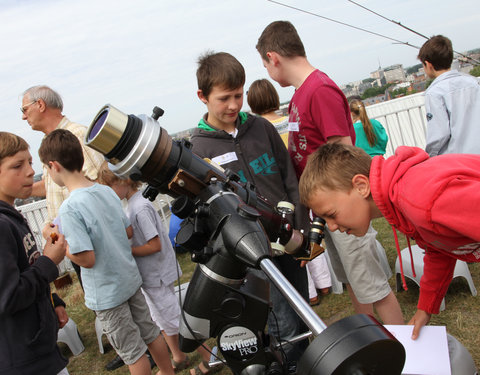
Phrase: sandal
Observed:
(210, 370)
(179, 366)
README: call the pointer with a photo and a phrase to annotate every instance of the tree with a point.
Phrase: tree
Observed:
(475, 71)
(413, 69)
(374, 91)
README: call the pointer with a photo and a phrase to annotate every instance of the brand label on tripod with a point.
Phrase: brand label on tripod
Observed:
(239, 342)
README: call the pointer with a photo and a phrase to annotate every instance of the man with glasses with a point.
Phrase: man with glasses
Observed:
(42, 108)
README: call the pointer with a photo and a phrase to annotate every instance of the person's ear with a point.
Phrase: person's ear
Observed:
(41, 105)
(55, 165)
(429, 65)
(273, 57)
(202, 97)
(361, 184)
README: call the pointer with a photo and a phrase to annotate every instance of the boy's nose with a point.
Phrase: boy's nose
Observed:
(233, 104)
(332, 226)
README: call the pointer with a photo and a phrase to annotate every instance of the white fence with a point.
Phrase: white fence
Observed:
(404, 119)
(37, 215)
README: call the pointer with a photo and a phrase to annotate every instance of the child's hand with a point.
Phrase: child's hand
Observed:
(420, 319)
(55, 250)
(48, 229)
(62, 316)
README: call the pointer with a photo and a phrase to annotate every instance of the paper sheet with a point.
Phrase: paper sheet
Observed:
(427, 355)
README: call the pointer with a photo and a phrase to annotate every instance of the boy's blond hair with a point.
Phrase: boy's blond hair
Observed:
(10, 144)
(332, 167)
(107, 177)
(219, 69)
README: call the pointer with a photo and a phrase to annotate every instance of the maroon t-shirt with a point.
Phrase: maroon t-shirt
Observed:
(318, 110)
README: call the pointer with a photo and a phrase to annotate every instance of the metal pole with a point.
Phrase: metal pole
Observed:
(294, 298)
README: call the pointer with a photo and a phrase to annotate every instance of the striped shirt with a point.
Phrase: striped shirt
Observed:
(55, 194)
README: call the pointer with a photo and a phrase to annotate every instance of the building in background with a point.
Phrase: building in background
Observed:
(394, 73)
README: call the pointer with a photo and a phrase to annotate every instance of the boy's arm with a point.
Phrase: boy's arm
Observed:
(84, 259)
(147, 226)
(330, 116)
(129, 231)
(20, 288)
(38, 189)
(154, 245)
(438, 124)
(438, 271)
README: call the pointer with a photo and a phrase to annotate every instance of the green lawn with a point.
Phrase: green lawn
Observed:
(460, 316)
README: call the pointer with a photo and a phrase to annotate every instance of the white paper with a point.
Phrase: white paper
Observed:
(428, 354)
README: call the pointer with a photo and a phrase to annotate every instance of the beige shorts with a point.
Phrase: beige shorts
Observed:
(355, 261)
(129, 327)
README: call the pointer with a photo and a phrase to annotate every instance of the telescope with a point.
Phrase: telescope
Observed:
(231, 230)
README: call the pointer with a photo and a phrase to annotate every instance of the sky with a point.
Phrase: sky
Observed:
(139, 54)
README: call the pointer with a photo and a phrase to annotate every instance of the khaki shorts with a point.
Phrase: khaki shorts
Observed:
(129, 327)
(355, 261)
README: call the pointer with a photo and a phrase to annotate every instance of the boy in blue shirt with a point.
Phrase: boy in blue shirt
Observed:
(452, 102)
(157, 264)
(96, 229)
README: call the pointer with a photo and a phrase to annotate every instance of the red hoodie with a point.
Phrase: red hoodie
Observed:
(437, 202)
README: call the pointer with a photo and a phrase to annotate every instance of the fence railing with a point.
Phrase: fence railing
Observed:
(36, 215)
(404, 119)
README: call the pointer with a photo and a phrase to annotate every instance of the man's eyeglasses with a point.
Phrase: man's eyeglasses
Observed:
(25, 107)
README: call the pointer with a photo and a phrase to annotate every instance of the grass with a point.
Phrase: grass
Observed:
(460, 316)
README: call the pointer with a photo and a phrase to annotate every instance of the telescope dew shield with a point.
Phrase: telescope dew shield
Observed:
(133, 145)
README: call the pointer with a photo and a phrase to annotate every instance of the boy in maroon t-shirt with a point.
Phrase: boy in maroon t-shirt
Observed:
(319, 114)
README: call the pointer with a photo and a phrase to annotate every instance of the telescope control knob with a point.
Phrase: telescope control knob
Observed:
(157, 112)
(248, 212)
(286, 208)
(277, 248)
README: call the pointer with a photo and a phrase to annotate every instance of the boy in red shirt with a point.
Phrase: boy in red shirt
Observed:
(319, 114)
(346, 187)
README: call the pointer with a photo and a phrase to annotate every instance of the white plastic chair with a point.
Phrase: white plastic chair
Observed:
(69, 336)
(461, 269)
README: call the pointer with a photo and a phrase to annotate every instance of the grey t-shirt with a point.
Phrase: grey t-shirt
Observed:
(146, 223)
